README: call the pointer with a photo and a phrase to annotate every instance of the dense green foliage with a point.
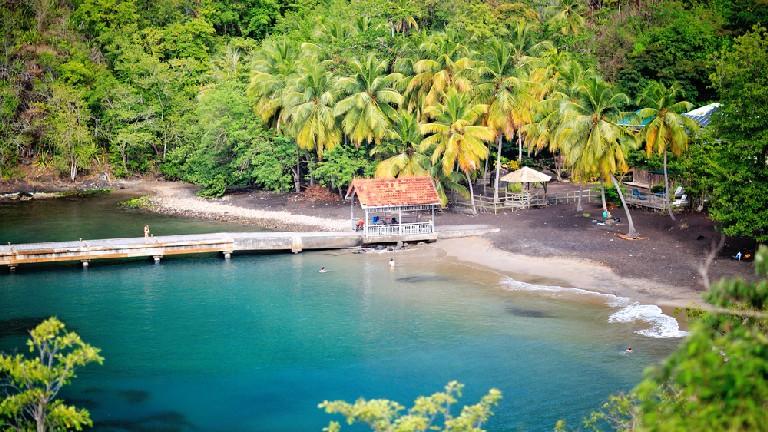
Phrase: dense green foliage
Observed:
(429, 413)
(30, 385)
(279, 94)
(729, 164)
(716, 381)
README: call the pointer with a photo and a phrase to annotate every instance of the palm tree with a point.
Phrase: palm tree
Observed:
(445, 63)
(401, 144)
(566, 16)
(273, 68)
(457, 139)
(403, 16)
(498, 89)
(370, 101)
(309, 112)
(668, 129)
(589, 138)
(522, 41)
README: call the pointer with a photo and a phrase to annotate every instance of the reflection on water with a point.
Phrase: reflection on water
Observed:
(91, 218)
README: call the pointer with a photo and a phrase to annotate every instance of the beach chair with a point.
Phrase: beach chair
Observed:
(638, 195)
(683, 200)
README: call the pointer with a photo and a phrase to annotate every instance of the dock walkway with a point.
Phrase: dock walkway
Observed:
(225, 243)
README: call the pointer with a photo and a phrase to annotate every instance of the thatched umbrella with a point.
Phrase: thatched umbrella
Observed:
(527, 175)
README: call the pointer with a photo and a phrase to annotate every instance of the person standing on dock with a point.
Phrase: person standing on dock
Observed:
(146, 230)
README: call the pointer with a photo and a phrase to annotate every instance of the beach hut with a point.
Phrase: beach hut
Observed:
(526, 199)
(401, 209)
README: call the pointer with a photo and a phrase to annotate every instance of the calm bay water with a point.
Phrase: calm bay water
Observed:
(256, 343)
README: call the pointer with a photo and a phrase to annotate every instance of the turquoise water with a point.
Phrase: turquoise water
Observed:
(256, 343)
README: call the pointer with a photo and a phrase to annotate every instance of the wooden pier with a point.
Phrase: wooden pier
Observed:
(158, 247)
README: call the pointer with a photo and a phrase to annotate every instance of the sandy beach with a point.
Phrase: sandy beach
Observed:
(551, 246)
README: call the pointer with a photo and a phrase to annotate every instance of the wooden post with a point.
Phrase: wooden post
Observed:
(400, 220)
(365, 232)
(352, 212)
(432, 221)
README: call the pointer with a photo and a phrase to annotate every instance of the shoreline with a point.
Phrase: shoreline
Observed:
(178, 199)
(584, 274)
(572, 273)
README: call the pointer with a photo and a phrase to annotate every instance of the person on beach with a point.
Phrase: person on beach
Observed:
(322, 270)
(391, 263)
(628, 350)
(146, 230)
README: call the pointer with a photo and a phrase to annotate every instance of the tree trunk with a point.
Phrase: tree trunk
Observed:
(39, 416)
(72, 168)
(498, 172)
(297, 181)
(602, 196)
(666, 188)
(631, 232)
(485, 171)
(471, 194)
(579, 208)
(519, 148)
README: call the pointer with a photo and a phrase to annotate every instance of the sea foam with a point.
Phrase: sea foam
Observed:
(661, 325)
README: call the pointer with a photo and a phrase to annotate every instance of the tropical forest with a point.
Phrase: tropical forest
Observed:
(276, 101)
(278, 95)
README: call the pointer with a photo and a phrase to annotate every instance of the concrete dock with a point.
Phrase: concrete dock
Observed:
(225, 243)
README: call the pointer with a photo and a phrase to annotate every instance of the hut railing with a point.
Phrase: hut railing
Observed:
(571, 196)
(400, 229)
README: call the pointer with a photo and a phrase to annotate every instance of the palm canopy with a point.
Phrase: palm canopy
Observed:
(370, 100)
(456, 137)
(446, 63)
(668, 129)
(589, 138)
(566, 16)
(274, 64)
(587, 134)
(498, 86)
(401, 143)
(309, 110)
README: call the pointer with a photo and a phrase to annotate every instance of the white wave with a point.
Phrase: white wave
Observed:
(610, 299)
(662, 325)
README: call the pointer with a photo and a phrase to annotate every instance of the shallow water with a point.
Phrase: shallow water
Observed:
(68, 219)
(256, 343)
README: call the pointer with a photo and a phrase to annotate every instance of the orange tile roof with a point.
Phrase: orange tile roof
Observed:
(394, 192)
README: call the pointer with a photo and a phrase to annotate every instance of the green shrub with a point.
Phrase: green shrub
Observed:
(136, 203)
